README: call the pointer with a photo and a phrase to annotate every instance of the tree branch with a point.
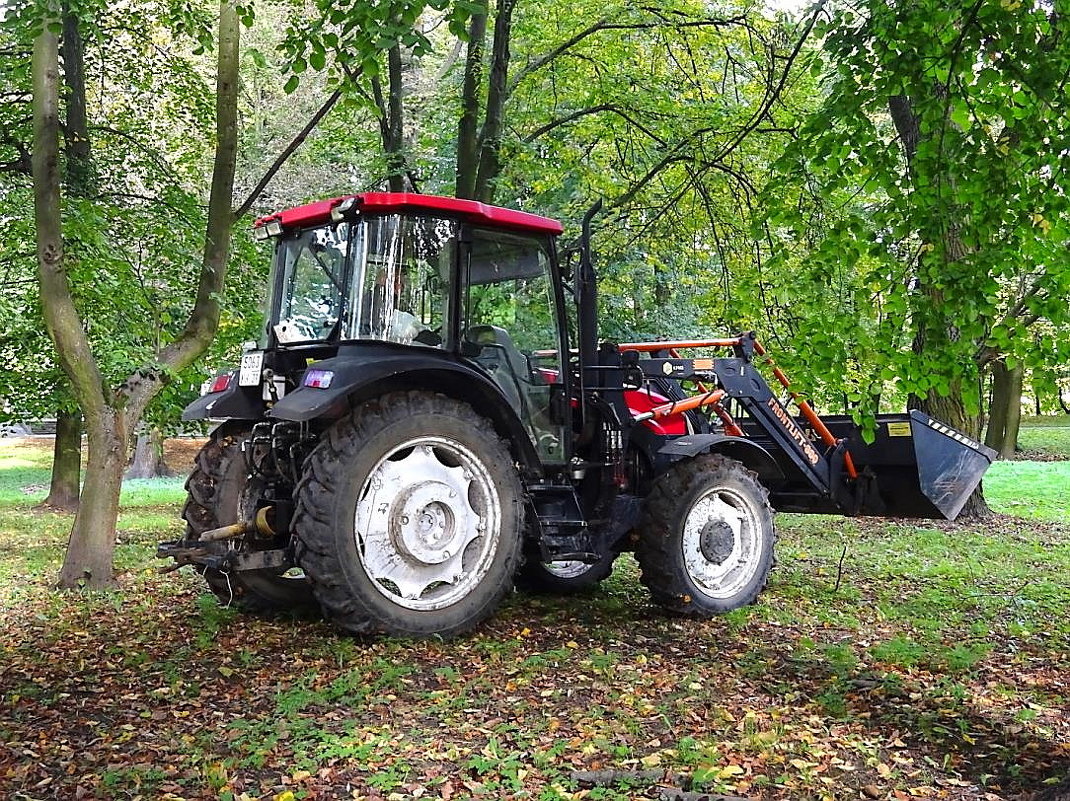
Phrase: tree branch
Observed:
(288, 151)
(605, 25)
(774, 92)
(545, 129)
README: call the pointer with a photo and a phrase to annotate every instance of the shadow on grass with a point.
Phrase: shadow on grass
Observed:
(938, 721)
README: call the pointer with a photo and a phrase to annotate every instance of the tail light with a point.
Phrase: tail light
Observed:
(220, 383)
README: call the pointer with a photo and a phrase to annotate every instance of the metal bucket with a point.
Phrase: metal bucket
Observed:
(919, 467)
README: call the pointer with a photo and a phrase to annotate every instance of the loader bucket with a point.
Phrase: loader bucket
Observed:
(950, 465)
(921, 467)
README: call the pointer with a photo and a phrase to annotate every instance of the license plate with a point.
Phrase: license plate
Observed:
(251, 366)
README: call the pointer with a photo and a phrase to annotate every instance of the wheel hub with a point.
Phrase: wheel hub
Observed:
(716, 541)
(423, 523)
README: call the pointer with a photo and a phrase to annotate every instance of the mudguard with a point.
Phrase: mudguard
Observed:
(749, 453)
(243, 403)
(361, 371)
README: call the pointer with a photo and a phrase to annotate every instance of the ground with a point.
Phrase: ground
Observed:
(885, 660)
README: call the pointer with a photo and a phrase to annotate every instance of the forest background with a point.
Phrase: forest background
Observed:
(876, 188)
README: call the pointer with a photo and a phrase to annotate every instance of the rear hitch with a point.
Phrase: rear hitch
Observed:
(207, 549)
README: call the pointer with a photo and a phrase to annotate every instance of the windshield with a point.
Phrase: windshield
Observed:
(402, 277)
(383, 278)
(313, 267)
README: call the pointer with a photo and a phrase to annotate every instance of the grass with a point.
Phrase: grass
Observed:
(1045, 437)
(920, 659)
(1034, 490)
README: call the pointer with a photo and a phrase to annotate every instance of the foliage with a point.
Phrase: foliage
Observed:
(666, 112)
(929, 661)
(930, 222)
(133, 245)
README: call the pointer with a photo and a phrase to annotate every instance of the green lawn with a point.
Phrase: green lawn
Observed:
(1046, 437)
(888, 659)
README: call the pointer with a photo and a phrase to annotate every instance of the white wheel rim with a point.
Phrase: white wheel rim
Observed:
(566, 569)
(427, 523)
(722, 542)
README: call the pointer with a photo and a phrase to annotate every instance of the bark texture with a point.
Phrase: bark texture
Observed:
(63, 491)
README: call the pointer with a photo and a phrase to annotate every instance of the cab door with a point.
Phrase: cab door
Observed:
(512, 328)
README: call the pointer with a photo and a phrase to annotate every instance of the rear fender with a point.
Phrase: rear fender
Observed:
(750, 454)
(243, 403)
(357, 378)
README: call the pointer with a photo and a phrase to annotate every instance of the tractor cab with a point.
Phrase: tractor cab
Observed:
(385, 287)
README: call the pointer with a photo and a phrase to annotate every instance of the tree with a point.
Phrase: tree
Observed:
(112, 412)
(931, 172)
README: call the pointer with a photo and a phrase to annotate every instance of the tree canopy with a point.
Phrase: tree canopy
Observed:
(875, 186)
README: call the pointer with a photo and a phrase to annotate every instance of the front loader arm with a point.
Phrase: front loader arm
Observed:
(916, 467)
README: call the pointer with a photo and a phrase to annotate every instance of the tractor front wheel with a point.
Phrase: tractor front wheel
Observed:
(707, 537)
(409, 516)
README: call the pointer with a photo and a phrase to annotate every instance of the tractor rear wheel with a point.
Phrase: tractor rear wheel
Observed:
(220, 492)
(707, 538)
(563, 578)
(409, 516)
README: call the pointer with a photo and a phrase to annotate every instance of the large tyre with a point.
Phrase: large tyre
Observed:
(706, 545)
(563, 578)
(409, 516)
(220, 492)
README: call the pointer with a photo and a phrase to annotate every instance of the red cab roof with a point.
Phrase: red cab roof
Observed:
(393, 202)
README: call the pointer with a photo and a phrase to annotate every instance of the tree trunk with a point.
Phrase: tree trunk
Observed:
(148, 460)
(66, 463)
(490, 136)
(949, 409)
(1009, 445)
(1005, 408)
(80, 173)
(468, 125)
(392, 119)
(109, 414)
(91, 549)
(997, 405)
(395, 152)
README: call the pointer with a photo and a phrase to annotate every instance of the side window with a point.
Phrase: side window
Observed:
(509, 287)
(512, 332)
(401, 291)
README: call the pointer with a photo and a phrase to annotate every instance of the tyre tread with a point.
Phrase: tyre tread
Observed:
(315, 547)
(661, 571)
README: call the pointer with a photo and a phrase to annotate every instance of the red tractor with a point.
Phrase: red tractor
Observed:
(429, 417)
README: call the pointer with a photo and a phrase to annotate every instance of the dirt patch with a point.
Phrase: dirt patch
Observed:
(180, 453)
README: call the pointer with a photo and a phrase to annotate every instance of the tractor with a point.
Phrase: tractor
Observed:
(429, 418)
